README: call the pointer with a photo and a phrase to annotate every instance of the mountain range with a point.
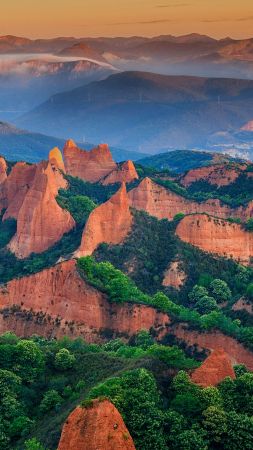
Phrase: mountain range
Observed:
(148, 112)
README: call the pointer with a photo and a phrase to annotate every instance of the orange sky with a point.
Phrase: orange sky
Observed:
(48, 18)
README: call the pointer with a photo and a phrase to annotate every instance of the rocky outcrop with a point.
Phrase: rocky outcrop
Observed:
(248, 126)
(217, 236)
(109, 222)
(165, 204)
(174, 276)
(90, 165)
(218, 174)
(243, 305)
(15, 188)
(214, 369)
(56, 160)
(96, 427)
(57, 302)
(238, 354)
(3, 170)
(125, 173)
(41, 222)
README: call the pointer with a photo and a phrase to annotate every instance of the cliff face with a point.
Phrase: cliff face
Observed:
(55, 159)
(217, 236)
(164, 204)
(214, 369)
(126, 173)
(62, 303)
(212, 341)
(88, 165)
(15, 188)
(40, 220)
(3, 170)
(219, 174)
(174, 276)
(109, 222)
(97, 427)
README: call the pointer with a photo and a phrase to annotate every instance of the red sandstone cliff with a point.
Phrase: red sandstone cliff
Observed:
(165, 204)
(60, 292)
(174, 276)
(88, 165)
(125, 173)
(214, 369)
(55, 159)
(109, 222)
(217, 236)
(14, 189)
(40, 220)
(219, 174)
(3, 170)
(97, 427)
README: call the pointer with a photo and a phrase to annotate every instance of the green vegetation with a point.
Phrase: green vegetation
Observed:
(120, 288)
(41, 381)
(146, 253)
(178, 161)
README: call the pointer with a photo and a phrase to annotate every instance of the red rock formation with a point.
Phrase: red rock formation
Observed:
(41, 222)
(213, 340)
(97, 427)
(174, 276)
(165, 204)
(109, 222)
(60, 292)
(214, 369)
(125, 173)
(55, 159)
(248, 126)
(217, 236)
(15, 188)
(218, 174)
(3, 170)
(88, 165)
(243, 305)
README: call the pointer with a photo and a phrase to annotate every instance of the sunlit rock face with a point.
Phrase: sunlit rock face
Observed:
(218, 174)
(56, 160)
(109, 222)
(90, 165)
(214, 369)
(217, 236)
(98, 426)
(62, 294)
(3, 170)
(41, 222)
(174, 276)
(126, 173)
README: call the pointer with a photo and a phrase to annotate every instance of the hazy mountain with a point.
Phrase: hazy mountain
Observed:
(179, 161)
(28, 80)
(17, 144)
(148, 112)
(191, 54)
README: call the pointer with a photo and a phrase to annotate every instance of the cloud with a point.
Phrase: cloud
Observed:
(227, 19)
(144, 22)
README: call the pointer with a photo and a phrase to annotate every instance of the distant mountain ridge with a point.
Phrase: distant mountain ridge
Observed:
(21, 145)
(149, 112)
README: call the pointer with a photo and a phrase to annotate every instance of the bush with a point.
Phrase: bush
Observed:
(64, 360)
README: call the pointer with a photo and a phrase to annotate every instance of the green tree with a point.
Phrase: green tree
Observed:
(51, 400)
(206, 305)
(220, 290)
(64, 359)
(29, 360)
(249, 224)
(33, 444)
(239, 432)
(215, 423)
(197, 293)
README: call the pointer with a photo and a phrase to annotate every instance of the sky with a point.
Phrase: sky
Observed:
(81, 18)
